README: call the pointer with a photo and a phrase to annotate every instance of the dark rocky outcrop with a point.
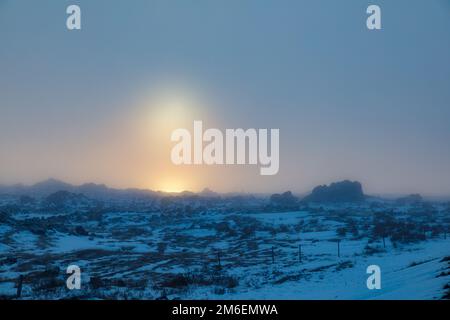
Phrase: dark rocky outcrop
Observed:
(411, 199)
(344, 191)
(285, 200)
(62, 199)
(208, 193)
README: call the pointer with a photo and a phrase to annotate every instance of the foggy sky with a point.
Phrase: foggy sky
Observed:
(350, 103)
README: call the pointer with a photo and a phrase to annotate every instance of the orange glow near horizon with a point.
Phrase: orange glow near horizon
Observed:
(171, 186)
(161, 113)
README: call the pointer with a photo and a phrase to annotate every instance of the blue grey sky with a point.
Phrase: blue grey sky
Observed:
(350, 103)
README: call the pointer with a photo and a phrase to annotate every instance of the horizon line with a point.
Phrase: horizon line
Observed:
(380, 195)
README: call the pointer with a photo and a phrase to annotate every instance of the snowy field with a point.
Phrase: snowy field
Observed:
(212, 252)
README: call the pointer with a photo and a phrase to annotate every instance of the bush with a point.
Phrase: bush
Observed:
(368, 250)
(341, 232)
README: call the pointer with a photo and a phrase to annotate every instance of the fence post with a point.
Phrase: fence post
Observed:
(273, 255)
(218, 258)
(339, 248)
(19, 286)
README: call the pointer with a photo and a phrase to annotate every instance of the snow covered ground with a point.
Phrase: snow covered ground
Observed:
(212, 253)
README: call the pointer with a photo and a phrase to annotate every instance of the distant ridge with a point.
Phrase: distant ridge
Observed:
(343, 191)
(91, 190)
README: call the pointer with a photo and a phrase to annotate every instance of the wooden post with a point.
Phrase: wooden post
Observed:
(218, 258)
(19, 286)
(273, 255)
(300, 253)
(339, 248)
